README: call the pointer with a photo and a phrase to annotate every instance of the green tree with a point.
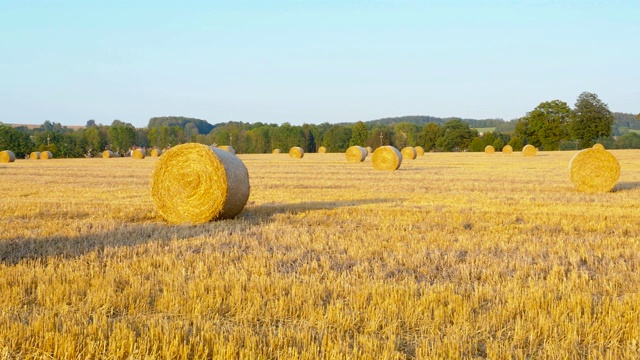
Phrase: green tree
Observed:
(379, 137)
(405, 134)
(455, 135)
(429, 136)
(359, 134)
(516, 143)
(19, 142)
(629, 141)
(548, 124)
(477, 144)
(337, 138)
(592, 119)
(498, 144)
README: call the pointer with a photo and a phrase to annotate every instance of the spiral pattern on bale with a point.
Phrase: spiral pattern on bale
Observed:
(419, 150)
(35, 155)
(386, 158)
(138, 154)
(489, 149)
(356, 154)
(296, 152)
(507, 149)
(529, 150)
(194, 183)
(7, 156)
(46, 155)
(594, 171)
(409, 152)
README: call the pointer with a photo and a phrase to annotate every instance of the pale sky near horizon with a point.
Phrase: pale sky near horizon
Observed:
(311, 61)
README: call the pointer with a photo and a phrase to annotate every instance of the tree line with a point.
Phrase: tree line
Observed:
(552, 125)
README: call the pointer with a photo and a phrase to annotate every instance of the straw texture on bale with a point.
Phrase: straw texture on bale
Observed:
(356, 154)
(322, 150)
(489, 149)
(46, 155)
(7, 156)
(227, 148)
(34, 155)
(529, 150)
(594, 171)
(369, 150)
(138, 154)
(598, 146)
(194, 183)
(276, 151)
(419, 150)
(386, 158)
(156, 152)
(507, 149)
(107, 154)
(296, 152)
(409, 152)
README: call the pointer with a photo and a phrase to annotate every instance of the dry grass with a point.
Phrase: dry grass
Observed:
(356, 154)
(386, 158)
(296, 152)
(7, 156)
(156, 152)
(138, 154)
(322, 150)
(489, 149)
(46, 155)
(324, 265)
(507, 149)
(35, 155)
(529, 150)
(409, 153)
(276, 151)
(594, 170)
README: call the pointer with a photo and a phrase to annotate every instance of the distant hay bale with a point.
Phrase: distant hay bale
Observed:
(529, 150)
(46, 155)
(386, 158)
(194, 183)
(598, 146)
(276, 151)
(108, 154)
(7, 156)
(409, 152)
(156, 152)
(296, 152)
(594, 171)
(507, 149)
(227, 148)
(489, 149)
(419, 150)
(369, 150)
(138, 154)
(356, 154)
(34, 155)
(322, 150)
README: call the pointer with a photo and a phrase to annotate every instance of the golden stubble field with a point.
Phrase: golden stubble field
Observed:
(455, 255)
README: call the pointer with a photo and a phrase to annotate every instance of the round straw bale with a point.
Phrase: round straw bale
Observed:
(529, 150)
(598, 146)
(356, 154)
(369, 150)
(489, 149)
(138, 154)
(419, 150)
(409, 152)
(194, 183)
(322, 150)
(276, 151)
(156, 152)
(7, 156)
(296, 152)
(34, 155)
(594, 170)
(108, 154)
(507, 149)
(386, 158)
(46, 155)
(227, 148)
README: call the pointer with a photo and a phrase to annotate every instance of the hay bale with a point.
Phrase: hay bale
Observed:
(507, 149)
(46, 155)
(409, 152)
(489, 149)
(419, 150)
(296, 152)
(227, 148)
(386, 158)
(7, 156)
(369, 150)
(276, 151)
(156, 152)
(529, 150)
(108, 154)
(356, 154)
(322, 150)
(598, 146)
(138, 154)
(35, 155)
(594, 171)
(194, 183)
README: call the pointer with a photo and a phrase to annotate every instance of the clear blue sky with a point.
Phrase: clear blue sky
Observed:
(311, 61)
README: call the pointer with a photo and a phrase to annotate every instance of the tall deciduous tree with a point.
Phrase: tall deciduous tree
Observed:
(455, 135)
(359, 134)
(548, 124)
(429, 136)
(592, 119)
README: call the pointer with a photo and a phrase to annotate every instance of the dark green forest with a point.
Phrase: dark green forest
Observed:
(552, 125)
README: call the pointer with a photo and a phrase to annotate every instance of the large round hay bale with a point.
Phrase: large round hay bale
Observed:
(419, 150)
(108, 154)
(138, 154)
(276, 151)
(322, 150)
(7, 156)
(35, 155)
(409, 152)
(194, 183)
(386, 158)
(489, 149)
(598, 146)
(529, 150)
(296, 152)
(507, 149)
(594, 170)
(46, 155)
(369, 150)
(156, 152)
(227, 148)
(356, 154)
